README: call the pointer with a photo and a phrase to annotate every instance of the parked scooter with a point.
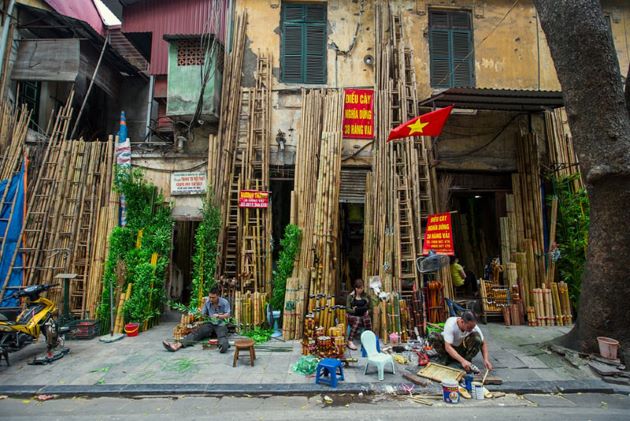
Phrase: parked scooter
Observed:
(37, 317)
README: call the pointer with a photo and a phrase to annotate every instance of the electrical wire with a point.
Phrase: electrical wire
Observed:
(477, 149)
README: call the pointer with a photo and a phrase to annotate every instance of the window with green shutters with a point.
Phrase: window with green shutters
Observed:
(303, 44)
(451, 49)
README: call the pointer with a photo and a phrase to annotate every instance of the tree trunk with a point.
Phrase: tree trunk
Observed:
(587, 67)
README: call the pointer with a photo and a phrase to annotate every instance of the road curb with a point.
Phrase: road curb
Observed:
(130, 390)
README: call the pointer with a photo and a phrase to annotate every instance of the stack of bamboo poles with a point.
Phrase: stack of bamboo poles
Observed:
(222, 149)
(64, 230)
(402, 190)
(315, 199)
(292, 297)
(562, 157)
(551, 306)
(526, 226)
(249, 309)
(120, 315)
(393, 315)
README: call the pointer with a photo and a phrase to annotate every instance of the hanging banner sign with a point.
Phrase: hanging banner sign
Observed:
(253, 199)
(187, 183)
(358, 116)
(438, 235)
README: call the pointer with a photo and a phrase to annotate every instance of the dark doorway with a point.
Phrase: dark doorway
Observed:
(475, 230)
(351, 229)
(183, 252)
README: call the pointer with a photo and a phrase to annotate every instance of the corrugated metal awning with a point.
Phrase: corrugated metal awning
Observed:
(353, 185)
(47, 60)
(496, 99)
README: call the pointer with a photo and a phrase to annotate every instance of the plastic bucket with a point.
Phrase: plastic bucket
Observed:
(450, 390)
(131, 329)
(608, 347)
(477, 391)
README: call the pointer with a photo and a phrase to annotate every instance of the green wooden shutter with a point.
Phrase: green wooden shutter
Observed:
(451, 49)
(315, 60)
(440, 58)
(303, 45)
(462, 60)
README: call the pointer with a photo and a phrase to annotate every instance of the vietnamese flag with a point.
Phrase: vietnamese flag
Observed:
(429, 124)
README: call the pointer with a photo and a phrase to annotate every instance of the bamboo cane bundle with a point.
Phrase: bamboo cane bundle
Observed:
(556, 304)
(512, 274)
(504, 225)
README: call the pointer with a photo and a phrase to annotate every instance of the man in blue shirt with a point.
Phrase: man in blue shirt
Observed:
(217, 309)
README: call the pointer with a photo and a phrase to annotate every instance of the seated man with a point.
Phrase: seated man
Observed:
(461, 341)
(218, 310)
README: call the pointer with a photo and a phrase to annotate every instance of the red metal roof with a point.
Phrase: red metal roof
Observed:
(84, 10)
(161, 17)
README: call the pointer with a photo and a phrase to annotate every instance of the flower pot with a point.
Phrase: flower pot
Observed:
(608, 347)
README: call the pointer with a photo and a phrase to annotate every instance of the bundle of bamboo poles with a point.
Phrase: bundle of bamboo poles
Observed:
(562, 157)
(120, 316)
(67, 221)
(315, 201)
(249, 309)
(290, 308)
(222, 154)
(551, 306)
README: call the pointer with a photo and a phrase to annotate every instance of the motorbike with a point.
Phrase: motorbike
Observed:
(36, 318)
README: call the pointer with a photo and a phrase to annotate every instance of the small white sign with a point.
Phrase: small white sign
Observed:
(188, 183)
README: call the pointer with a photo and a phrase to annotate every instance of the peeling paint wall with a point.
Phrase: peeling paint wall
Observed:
(345, 64)
(510, 52)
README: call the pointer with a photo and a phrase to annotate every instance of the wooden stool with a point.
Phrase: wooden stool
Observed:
(244, 344)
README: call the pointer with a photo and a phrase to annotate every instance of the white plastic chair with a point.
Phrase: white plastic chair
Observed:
(368, 340)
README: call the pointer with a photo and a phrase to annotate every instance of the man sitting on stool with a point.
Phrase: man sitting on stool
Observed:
(461, 341)
(218, 310)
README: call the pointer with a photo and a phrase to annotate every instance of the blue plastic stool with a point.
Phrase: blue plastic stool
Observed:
(378, 347)
(327, 372)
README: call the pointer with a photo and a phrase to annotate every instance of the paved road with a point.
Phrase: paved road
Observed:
(511, 407)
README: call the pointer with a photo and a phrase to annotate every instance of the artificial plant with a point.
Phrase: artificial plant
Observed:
(290, 245)
(205, 257)
(148, 214)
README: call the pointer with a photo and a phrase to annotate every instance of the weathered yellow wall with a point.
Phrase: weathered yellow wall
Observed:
(157, 169)
(510, 52)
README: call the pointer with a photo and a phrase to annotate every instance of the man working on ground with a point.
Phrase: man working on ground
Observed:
(217, 310)
(461, 341)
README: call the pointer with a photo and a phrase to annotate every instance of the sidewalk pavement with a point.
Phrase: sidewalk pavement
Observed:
(141, 366)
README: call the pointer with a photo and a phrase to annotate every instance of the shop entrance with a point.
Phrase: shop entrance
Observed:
(476, 230)
(182, 265)
(351, 231)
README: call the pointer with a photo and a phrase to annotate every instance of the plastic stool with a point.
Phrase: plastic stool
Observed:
(328, 368)
(378, 347)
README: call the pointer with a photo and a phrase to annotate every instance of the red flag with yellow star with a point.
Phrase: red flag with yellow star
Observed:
(429, 124)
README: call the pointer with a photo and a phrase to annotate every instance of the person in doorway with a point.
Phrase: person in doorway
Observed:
(358, 308)
(462, 280)
(217, 310)
(457, 272)
(461, 341)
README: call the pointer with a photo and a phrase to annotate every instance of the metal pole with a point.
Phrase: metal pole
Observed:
(147, 132)
(87, 94)
(5, 31)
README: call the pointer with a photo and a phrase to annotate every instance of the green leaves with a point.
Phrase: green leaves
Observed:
(205, 257)
(572, 233)
(290, 244)
(258, 334)
(146, 211)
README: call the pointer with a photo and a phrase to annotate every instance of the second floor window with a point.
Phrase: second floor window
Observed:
(303, 44)
(451, 49)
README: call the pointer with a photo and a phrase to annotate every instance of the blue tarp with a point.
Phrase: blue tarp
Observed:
(16, 193)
